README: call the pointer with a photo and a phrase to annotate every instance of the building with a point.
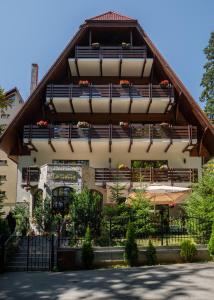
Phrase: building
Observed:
(8, 168)
(110, 109)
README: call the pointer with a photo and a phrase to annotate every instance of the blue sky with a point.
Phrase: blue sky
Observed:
(38, 30)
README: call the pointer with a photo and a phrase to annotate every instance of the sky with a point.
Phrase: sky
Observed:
(37, 31)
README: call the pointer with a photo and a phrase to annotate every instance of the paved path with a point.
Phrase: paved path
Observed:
(181, 281)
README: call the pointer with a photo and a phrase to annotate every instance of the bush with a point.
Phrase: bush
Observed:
(151, 254)
(188, 250)
(211, 242)
(87, 250)
(131, 250)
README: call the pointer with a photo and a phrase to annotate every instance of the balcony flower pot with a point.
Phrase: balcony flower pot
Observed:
(164, 84)
(125, 45)
(122, 167)
(42, 124)
(95, 46)
(124, 83)
(164, 167)
(82, 124)
(124, 124)
(83, 83)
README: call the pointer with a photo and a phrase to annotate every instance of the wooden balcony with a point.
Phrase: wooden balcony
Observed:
(109, 98)
(103, 176)
(132, 136)
(110, 61)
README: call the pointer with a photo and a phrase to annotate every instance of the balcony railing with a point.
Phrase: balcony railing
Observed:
(133, 131)
(109, 91)
(30, 175)
(110, 52)
(146, 175)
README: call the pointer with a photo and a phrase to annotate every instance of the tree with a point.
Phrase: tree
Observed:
(87, 250)
(117, 195)
(131, 250)
(86, 211)
(42, 214)
(200, 204)
(21, 214)
(207, 81)
(4, 103)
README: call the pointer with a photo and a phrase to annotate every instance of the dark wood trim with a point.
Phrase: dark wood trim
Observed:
(101, 67)
(70, 99)
(77, 68)
(143, 68)
(201, 141)
(120, 67)
(150, 98)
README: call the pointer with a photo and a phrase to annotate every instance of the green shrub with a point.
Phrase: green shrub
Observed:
(151, 254)
(188, 250)
(87, 250)
(131, 250)
(211, 242)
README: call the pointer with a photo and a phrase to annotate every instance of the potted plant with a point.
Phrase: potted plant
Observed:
(83, 83)
(122, 167)
(42, 123)
(125, 45)
(164, 84)
(124, 124)
(95, 46)
(124, 83)
(82, 124)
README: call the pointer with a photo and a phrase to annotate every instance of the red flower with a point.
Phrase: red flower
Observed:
(124, 82)
(42, 123)
(164, 82)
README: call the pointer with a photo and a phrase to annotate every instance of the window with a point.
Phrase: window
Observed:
(5, 116)
(3, 162)
(2, 178)
(2, 194)
(149, 163)
(30, 174)
(61, 198)
(70, 162)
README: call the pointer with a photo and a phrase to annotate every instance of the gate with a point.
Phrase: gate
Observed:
(40, 253)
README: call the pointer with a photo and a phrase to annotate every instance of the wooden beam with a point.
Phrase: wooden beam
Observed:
(90, 99)
(201, 141)
(150, 98)
(120, 67)
(53, 106)
(89, 139)
(143, 68)
(77, 68)
(51, 145)
(168, 146)
(101, 67)
(130, 145)
(148, 148)
(70, 99)
(70, 145)
(130, 105)
(110, 137)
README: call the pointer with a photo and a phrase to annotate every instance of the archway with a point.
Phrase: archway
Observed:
(61, 198)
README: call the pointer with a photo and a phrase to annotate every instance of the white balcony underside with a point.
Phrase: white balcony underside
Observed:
(130, 67)
(81, 145)
(102, 105)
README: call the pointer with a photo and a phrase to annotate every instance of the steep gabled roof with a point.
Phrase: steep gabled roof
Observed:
(110, 16)
(9, 138)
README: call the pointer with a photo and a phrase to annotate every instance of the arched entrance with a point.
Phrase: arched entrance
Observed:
(61, 198)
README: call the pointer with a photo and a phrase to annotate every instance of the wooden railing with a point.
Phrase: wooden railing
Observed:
(109, 91)
(110, 52)
(146, 175)
(30, 174)
(132, 131)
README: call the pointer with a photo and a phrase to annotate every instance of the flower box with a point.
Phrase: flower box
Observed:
(124, 83)
(122, 167)
(83, 124)
(164, 84)
(124, 124)
(42, 123)
(125, 45)
(83, 83)
(95, 46)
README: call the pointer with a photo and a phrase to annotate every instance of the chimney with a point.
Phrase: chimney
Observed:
(34, 77)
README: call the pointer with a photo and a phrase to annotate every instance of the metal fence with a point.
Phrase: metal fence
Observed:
(160, 229)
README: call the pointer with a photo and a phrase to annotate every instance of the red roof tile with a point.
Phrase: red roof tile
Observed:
(111, 16)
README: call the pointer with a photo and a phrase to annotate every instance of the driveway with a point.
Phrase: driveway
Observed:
(181, 281)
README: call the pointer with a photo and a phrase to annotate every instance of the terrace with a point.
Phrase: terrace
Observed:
(110, 98)
(134, 137)
(110, 61)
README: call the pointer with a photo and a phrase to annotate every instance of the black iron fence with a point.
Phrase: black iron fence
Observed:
(160, 229)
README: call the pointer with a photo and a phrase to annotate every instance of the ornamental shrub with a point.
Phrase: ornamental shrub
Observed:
(131, 250)
(151, 254)
(87, 250)
(188, 250)
(211, 242)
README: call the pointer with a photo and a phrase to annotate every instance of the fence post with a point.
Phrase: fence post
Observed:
(110, 232)
(52, 253)
(162, 229)
(28, 249)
